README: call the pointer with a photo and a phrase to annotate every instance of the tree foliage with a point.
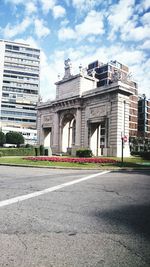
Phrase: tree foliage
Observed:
(139, 144)
(14, 138)
(2, 138)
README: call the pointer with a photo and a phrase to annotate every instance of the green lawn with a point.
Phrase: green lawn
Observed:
(135, 162)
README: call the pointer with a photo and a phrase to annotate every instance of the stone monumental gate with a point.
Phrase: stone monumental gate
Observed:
(85, 116)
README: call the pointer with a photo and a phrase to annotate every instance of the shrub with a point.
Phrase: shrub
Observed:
(84, 153)
(41, 150)
(145, 155)
(37, 151)
(135, 153)
(46, 152)
(2, 138)
(28, 146)
(14, 138)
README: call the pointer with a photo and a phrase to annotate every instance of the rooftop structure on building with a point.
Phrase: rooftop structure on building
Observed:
(115, 71)
(19, 88)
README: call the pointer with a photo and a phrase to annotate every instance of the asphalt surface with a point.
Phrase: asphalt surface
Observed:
(102, 221)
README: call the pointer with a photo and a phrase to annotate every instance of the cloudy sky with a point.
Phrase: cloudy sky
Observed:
(84, 31)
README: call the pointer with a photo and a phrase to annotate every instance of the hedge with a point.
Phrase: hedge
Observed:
(145, 155)
(17, 151)
(84, 153)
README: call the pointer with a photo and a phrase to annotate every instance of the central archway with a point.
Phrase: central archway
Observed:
(68, 132)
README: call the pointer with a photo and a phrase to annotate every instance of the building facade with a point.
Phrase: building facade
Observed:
(19, 88)
(144, 117)
(113, 71)
(86, 116)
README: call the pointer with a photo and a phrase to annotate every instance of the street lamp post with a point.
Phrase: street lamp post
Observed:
(123, 140)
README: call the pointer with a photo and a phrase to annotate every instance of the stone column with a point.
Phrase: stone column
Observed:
(78, 128)
(119, 125)
(56, 129)
(40, 129)
(55, 146)
(60, 138)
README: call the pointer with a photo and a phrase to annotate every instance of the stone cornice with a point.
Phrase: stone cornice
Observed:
(72, 77)
(67, 102)
(117, 87)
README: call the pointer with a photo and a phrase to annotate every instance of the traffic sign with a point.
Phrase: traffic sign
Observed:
(125, 138)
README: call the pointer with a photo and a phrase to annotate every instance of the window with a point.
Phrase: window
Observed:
(9, 46)
(102, 140)
(21, 73)
(102, 131)
(5, 95)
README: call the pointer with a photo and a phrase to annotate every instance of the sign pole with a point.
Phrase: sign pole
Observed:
(122, 144)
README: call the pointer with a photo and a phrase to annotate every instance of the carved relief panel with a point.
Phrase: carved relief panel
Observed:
(47, 120)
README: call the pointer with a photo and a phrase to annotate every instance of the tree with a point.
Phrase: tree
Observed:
(14, 138)
(2, 138)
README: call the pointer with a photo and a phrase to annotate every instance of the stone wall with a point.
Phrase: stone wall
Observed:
(78, 85)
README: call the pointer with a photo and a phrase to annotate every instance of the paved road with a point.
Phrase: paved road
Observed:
(103, 220)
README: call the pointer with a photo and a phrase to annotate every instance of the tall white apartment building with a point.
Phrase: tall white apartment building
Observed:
(19, 88)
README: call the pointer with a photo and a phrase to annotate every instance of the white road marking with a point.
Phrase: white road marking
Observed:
(45, 191)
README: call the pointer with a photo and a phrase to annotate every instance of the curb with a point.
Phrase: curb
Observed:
(77, 168)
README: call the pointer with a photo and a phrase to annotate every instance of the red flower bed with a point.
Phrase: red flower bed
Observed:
(74, 160)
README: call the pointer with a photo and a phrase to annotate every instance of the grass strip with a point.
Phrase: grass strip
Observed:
(128, 163)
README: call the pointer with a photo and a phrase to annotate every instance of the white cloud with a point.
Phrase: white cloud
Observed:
(135, 33)
(127, 23)
(66, 34)
(15, 2)
(92, 25)
(12, 30)
(146, 45)
(119, 14)
(28, 4)
(31, 8)
(29, 40)
(146, 4)
(139, 72)
(58, 12)
(84, 5)
(92, 39)
(129, 57)
(143, 6)
(146, 18)
(64, 22)
(40, 29)
(47, 5)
